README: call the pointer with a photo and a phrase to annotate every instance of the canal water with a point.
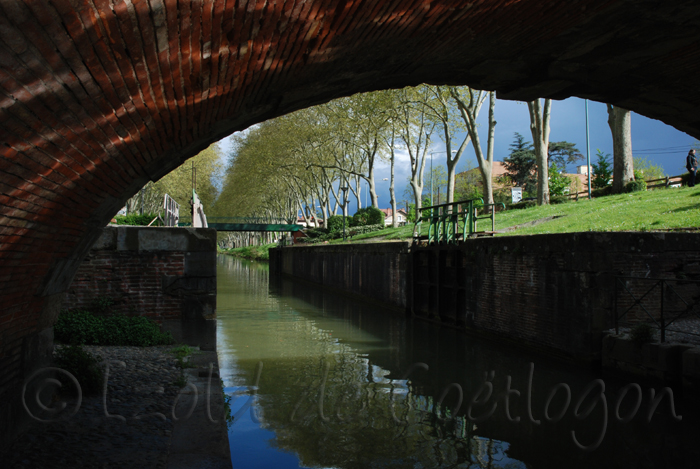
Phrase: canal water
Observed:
(315, 379)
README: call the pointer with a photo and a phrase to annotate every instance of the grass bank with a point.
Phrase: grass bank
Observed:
(255, 253)
(657, 210)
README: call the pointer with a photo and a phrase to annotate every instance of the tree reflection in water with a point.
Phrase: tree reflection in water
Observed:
(340, 387)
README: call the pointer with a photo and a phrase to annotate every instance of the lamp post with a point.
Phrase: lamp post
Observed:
(344, 189)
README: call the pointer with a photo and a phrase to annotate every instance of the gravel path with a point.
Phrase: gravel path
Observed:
(141, 382)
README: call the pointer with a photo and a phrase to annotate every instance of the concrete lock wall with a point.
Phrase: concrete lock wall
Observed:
(550, 292)
(165, 274)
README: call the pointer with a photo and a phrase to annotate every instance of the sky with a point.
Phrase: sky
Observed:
(661, 144)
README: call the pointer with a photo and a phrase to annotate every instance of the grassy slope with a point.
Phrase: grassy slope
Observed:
(665, 209)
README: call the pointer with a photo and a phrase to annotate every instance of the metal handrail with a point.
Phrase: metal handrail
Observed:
(446, 220)
(663, 320)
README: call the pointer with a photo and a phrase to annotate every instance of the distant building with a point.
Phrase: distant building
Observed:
(401, 216)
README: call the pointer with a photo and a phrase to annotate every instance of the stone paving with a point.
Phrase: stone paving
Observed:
(141, 392)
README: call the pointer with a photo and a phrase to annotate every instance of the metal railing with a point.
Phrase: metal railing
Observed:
(658, 302)
(446, 220)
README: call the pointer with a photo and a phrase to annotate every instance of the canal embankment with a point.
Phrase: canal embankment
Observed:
(559, 293)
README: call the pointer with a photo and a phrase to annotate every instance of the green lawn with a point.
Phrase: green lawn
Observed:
(662, 209)
(251, 252)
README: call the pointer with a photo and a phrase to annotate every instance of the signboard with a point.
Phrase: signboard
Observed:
(516, 194)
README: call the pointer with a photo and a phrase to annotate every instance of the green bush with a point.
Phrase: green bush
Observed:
(335, 224)
(602, 192)
(523, 204)
(636, 186)
(560, 199)
(357, 230)
(642, 334)
(85, 366)
(368, 216)
(135, 219)
(86, 328)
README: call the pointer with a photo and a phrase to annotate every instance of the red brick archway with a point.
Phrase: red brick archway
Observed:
(99, 96)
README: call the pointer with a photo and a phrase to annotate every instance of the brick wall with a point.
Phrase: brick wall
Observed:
(132, 283)
(165, 274)
(376, 272)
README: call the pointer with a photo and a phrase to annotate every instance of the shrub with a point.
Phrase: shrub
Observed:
(560, 199)
(368, 216)
(316, 232)
(602, 192)
(357, 230)
(86, 328)
(642, 334)
(135, 219)
(335, 224)
(523, 204)
(602, 172)
(85, 366)
(636, 186)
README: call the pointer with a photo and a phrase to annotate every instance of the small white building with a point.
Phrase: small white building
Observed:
(401, 216)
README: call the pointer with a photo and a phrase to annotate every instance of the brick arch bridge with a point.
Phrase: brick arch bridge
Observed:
(97, 97)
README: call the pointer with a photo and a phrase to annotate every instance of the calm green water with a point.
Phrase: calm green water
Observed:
(317, 380)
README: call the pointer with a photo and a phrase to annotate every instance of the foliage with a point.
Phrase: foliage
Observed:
(560, 199)
(563, 153)
(335, 224)
(368, 216)
(85, 366)
(85, 328)
(181, 353)
(557, 181)
(602, 171)
(135, 219)
(642, 333)
(437, 182)
(228, 400)
(208, 167)
(602, 192)
(523, 204)
(644, 169)
(636, 186)
(520, 164)
(357, 230)
(468, 185)
(256, 253)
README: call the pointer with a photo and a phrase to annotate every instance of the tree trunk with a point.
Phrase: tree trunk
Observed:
(469, 114)
(539, 126)
(620, 122)
(392, 196)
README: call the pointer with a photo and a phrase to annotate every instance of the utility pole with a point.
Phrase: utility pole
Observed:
(588, 154)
